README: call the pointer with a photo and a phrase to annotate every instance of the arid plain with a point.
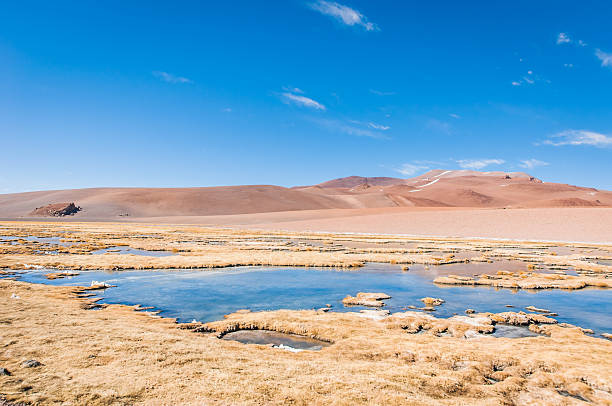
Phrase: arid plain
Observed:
(525, 236)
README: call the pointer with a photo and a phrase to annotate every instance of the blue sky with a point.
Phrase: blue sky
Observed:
(296, 92)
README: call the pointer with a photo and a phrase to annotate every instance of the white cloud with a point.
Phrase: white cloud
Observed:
(302, 101)
(604, 57)
(568, 65)
(529, 79)
(580, 137)
(378, 126)
(350, 128)
(381, 93)
(344, 14)
(532, 163)
(478, 163)
(170, 78)
(563, 38)
(293, 89)
(453, 115)
(410, 169)
(438, 126)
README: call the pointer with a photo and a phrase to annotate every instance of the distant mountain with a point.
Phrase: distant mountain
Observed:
(437, 188)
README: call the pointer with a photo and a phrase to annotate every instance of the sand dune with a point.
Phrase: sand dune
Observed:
(438, 188)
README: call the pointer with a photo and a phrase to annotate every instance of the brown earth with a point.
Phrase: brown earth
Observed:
(56, 210)
(434, 189)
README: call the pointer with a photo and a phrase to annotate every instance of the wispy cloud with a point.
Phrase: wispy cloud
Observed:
(604, 57)
(478, 163)
(227, 110)
(532, 163)
(529, 78)
(302, 101)
(344, 14)
(438, 126)
(350, 127)
(410, 169)
(170, 78)
(580, 137)
(293, 89)
(564, 38)
(379, 126)
(381, 93)
(453, 115)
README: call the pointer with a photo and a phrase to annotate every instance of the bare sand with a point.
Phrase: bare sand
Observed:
(591, 225)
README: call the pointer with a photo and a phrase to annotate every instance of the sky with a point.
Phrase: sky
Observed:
(296, 92)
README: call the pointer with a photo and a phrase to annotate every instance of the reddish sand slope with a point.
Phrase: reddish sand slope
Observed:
(593, 225)
(436, 188)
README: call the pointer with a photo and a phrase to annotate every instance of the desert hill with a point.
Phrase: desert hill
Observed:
(437, 188)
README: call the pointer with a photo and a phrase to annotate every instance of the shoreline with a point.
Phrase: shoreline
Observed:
(119, 355)
(88, 294)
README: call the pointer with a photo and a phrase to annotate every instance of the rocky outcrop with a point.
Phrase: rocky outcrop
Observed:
(366, 299)
(56, 210)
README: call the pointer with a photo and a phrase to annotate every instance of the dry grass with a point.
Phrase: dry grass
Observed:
(527, 280)
(118, 356)
(201, 247)
(371, 299)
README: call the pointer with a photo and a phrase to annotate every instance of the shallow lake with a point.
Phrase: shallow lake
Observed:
(207, 295)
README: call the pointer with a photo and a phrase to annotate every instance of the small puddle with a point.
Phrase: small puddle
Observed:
(42, 240)
(290, 342)
(509, 331)
(127, 250)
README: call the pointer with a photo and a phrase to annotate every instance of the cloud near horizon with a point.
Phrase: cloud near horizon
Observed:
(478, 163)
(343, 14)
(532, 163)
(579, 137)
(410, 169)
(170, 78)
(302, 101)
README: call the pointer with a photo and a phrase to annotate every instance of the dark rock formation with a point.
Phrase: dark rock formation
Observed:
(31, 363)
(56, 210)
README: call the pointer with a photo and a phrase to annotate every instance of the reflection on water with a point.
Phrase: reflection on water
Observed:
(281, 340)
(127, 250)
(207, 295)
(504, 330)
